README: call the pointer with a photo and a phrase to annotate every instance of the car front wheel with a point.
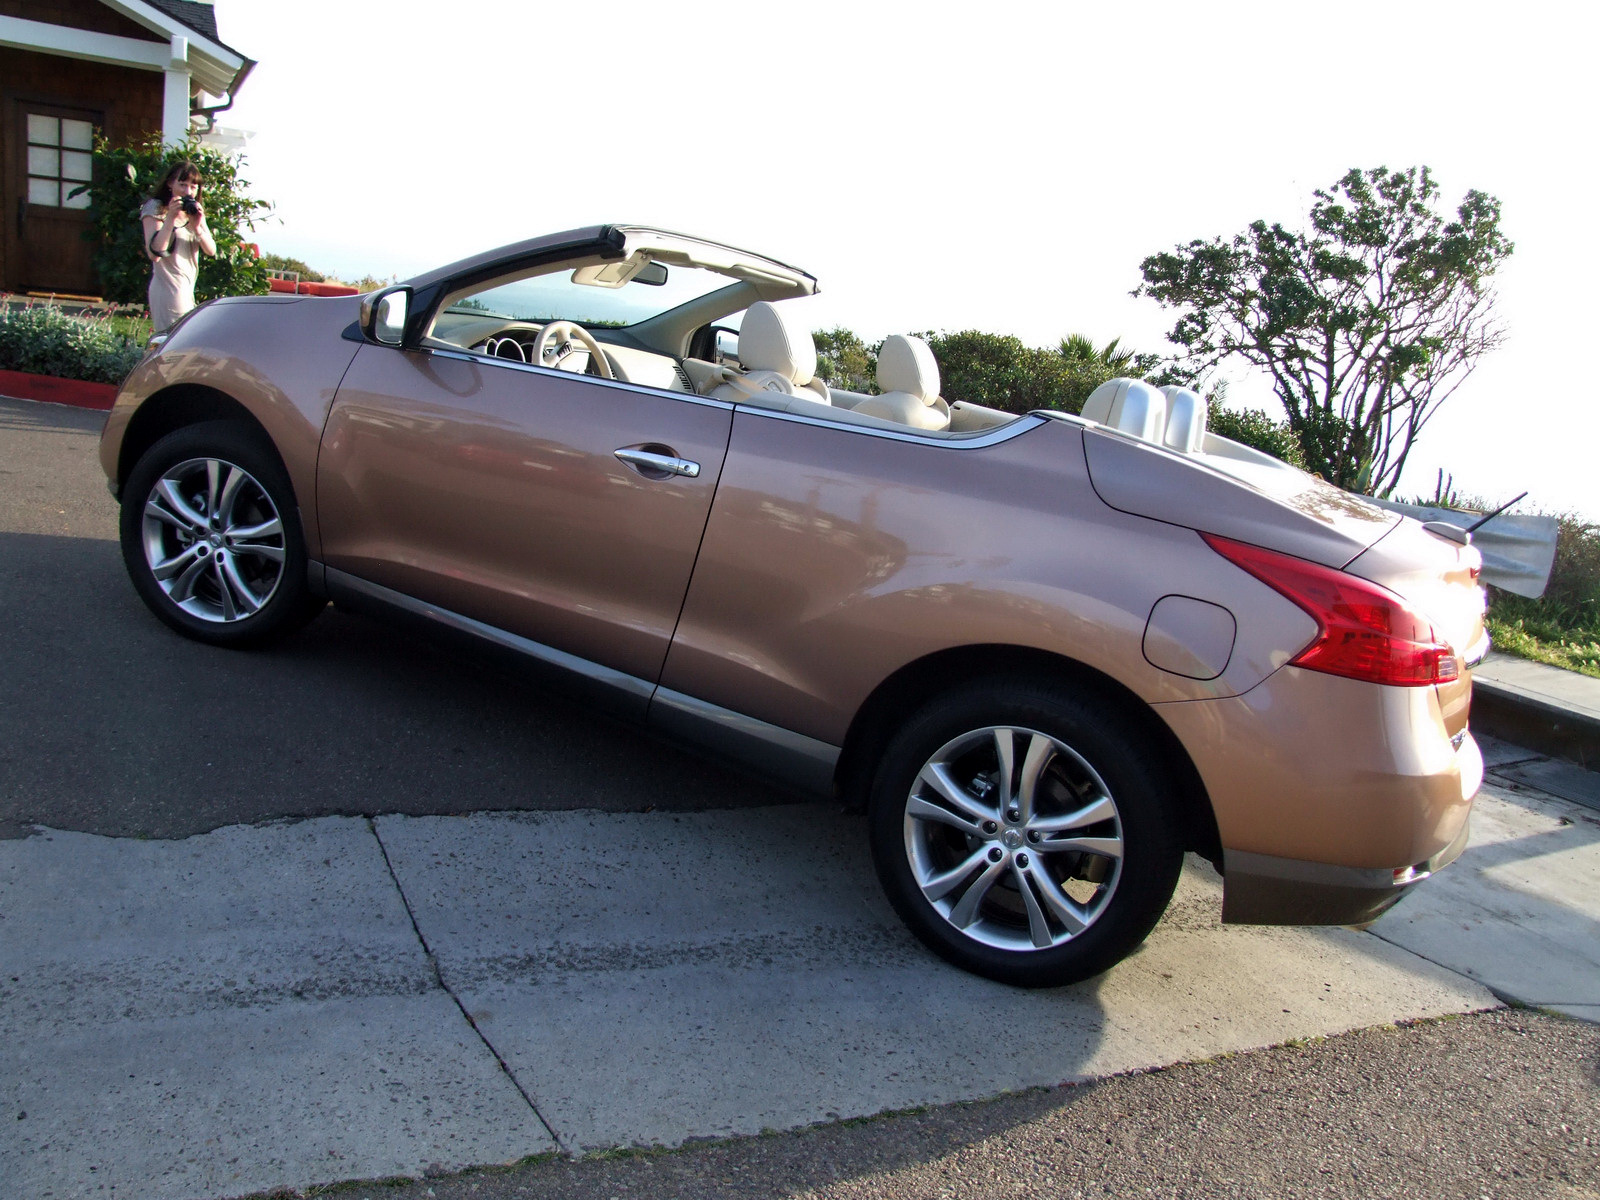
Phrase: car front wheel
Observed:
(1020, 832)
(212, 539)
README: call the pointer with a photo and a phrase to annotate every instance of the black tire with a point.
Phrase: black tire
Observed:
(219, 564)
(1091, 746)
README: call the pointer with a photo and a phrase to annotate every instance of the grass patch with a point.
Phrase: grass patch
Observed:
(1529, 635)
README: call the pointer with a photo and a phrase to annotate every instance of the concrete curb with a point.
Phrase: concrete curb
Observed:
(1507, 712)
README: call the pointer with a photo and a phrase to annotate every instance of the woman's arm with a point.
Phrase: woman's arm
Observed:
(202, 233)
(158, 234)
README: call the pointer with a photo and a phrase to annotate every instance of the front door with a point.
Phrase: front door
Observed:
(50, 157)
(493, 489)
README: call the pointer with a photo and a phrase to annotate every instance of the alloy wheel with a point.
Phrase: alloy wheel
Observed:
(213, 540)
(1013, 838)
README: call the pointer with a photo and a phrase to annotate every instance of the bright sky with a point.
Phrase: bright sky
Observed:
(1001, 167)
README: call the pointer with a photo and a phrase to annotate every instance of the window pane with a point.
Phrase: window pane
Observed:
(77, 135)
(81, 200)
(44, 191)
(75, 164)
(46, 131)
(43, 162)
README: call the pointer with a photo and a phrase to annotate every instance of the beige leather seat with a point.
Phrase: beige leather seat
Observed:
(1186, 420)
(1131, 405)
(909, 376)
(779, 360)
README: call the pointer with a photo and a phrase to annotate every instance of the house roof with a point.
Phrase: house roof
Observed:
(217, 67)
(198, 16)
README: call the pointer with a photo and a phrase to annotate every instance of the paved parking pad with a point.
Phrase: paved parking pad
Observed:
(252, 1008)
(652, 978)
(1520, 912)
(229, 1013)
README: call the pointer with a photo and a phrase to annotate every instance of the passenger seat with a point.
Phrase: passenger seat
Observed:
(909, 376)
(779, 360)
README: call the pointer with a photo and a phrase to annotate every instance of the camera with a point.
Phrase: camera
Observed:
(188, 204)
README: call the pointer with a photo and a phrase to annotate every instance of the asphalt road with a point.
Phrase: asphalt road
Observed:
(110, 724)
(1495, 1106)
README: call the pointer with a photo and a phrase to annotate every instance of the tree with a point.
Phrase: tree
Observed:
(845, 361)
(124, 178)
(1367, 321)
(279, 262)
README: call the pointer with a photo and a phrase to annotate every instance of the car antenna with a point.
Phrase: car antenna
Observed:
(1482, 521)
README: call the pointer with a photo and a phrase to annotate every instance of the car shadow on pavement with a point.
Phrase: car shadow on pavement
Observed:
(125, 728)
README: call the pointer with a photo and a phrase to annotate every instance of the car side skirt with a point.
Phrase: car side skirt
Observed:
(799, 762)
(1262, 889)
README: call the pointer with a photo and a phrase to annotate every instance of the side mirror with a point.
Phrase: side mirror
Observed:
(383, 316)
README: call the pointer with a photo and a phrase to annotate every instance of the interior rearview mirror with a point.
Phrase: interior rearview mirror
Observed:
(383, 316)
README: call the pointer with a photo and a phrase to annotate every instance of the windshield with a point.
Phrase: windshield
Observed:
(557, 298)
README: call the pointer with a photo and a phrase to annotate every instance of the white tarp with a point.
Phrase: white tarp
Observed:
(1518, 551)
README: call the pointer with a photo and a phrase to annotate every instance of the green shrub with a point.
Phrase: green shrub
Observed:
(42, 339)
(1254, 429)
(124, 177)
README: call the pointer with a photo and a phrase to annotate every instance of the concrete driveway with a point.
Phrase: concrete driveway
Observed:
(222, 975)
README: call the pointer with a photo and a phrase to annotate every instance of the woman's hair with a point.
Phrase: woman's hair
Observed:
(183, 171)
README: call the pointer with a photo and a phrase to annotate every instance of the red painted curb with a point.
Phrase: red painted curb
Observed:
(48, 388)
(311, 289)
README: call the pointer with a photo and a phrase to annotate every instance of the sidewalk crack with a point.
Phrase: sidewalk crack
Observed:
(1503, 997)
(438, 975)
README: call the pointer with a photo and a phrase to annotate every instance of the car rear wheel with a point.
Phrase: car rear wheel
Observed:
(1021, 833)
(212, 539)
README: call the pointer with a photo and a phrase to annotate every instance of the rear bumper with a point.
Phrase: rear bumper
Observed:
(1331, 796)
(1262, 889)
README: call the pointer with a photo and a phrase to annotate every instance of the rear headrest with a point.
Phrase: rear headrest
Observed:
(1130, 405)
(769, 341)
(1186, 420)
(906, 364)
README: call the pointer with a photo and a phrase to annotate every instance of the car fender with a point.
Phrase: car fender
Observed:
(279, 359)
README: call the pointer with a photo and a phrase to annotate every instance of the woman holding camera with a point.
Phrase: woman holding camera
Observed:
(175, 235)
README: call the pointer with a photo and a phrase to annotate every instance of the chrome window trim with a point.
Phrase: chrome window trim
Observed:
(977, 441)
(994, 437)
(512, 364)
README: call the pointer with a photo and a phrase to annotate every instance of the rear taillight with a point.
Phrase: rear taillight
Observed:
(1364, 631)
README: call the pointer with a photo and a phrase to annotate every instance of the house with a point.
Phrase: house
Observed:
(67, 67)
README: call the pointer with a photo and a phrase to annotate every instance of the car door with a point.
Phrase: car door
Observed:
(557, 507)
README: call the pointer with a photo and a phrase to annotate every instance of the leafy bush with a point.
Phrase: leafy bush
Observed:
(997, 370)
(124, 177)
(43, 339)
(1254, 429)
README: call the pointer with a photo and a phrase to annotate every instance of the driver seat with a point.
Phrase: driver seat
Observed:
(779, 360)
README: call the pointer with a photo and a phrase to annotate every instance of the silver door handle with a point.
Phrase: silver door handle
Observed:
(660, 462)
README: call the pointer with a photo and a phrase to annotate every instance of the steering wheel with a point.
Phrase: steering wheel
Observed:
(555, 346)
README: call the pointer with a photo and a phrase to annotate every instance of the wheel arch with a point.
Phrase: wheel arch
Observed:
(172, 409)
(945, 670)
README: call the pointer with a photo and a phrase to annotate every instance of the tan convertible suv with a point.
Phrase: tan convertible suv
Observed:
(1048, 653)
